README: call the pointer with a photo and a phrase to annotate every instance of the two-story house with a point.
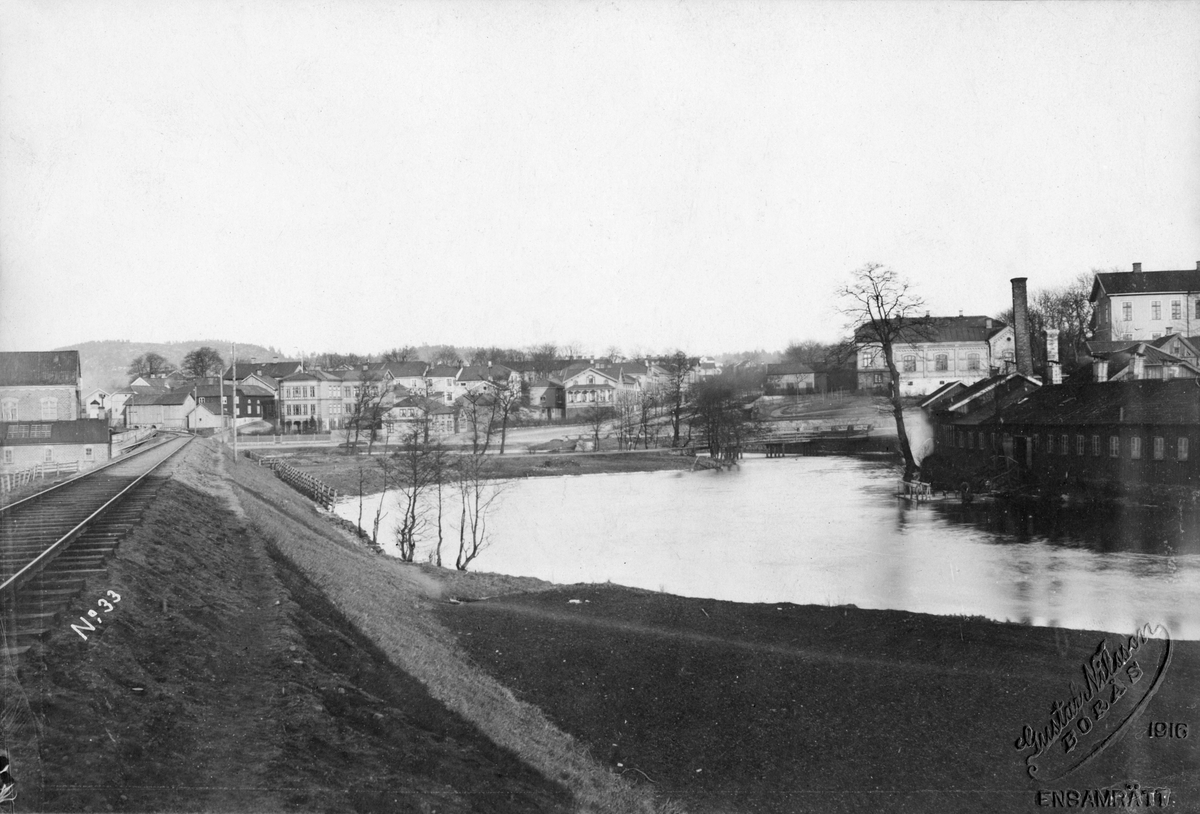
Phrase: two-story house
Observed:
(934, 351)
(592, 387)
(1144, 305)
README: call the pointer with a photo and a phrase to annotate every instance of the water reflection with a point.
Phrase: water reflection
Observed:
(830, 531)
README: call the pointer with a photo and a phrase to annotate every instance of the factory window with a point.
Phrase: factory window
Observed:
(910, 364)
(1127, 311)
(1156, 310)
(1176, 309)
(1096, 445)
(1181, 449)
(1159, 448)
(941, 362)
(1135, 447)
(1114, 446)
(1079, 445)
(1065, 445)
(970, 440)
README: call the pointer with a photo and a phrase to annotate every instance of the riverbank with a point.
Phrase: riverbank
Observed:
(731, 707)
(340, 470)
(262, 659)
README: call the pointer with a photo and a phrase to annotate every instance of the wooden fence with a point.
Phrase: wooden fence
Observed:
(299, 439)
(302, 482)
(14, 480)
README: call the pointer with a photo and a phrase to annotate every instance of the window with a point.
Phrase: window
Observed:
(1181, 449)
(49, 408)
(972, 361)
(48, 455)
(8, 410)
(1176, 309)
(1114, 446)
(87, 453)
(1135, 447)
(39, 430)
(970, 440)
(1197, 309)
(1079, 445)
(1127, 311)
(878, 378)
(1159, 448)
(941, 362)
(1065, 445)
(910, 364)
(8, 455)
(1156, 310)
(1096, 445)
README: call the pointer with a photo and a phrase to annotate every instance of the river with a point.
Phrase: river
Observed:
(828, 530)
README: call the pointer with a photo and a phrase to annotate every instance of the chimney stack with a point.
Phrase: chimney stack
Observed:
(1053, 368)
(1099, 369)
(1137, 267)
(1139, 364)
(1021, 328)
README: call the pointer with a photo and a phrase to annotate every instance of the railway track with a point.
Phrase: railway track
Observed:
(52, 542)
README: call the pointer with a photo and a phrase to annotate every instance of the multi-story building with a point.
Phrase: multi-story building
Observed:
(329, 399)
(934, 351)
(1145, 305)
(40, 386)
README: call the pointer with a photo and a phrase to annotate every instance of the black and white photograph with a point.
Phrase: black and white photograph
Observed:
(555, 407)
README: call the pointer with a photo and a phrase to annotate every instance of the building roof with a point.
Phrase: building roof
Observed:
(312, 375)
(83, 431)
(39, 368)
(976, 328)
(176, 397)
(402, 369)
(442, 372)
(788, 369)
(276, 370)
(1144, 401)
(939, 397)
(1145, 282)
(1002, 384)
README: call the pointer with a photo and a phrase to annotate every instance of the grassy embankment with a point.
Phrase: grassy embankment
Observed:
(340, 470)
(259, 660)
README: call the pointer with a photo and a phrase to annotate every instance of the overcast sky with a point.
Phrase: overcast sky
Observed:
(354, 176)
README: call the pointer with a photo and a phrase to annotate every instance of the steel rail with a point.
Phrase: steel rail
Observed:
(86, 474)
(13, 583)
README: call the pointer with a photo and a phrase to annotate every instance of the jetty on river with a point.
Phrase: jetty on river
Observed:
(807, 440)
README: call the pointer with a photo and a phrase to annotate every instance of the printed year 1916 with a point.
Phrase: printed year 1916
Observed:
(1163, 729)
(105, 605)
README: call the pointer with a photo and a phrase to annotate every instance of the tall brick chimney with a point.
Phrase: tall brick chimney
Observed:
(1137, 267)
(1021, 328)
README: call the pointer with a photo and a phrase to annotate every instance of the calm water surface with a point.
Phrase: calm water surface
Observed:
(830, 531)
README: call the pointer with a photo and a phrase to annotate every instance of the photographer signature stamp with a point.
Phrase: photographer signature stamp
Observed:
(1118, 683)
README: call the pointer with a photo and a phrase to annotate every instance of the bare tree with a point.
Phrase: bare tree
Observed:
(883, 313)
(418, 464)
(628, 413)
(480, 408)
(675, 390)
(477, 492)
(718, 411)
(405, 354)
(369, 394)
(149, 364)
(508, 398)
(597, 418)
(202, 362)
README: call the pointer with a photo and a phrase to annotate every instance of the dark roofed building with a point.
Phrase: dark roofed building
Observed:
(83, 443)
(934, 351)
(1090, 434)
(1145, 305)
(789, 378)
(40, 386)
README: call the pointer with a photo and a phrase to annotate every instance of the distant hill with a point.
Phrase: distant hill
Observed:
(105, 363)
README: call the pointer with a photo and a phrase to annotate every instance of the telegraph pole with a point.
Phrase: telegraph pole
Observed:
(233, 356)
